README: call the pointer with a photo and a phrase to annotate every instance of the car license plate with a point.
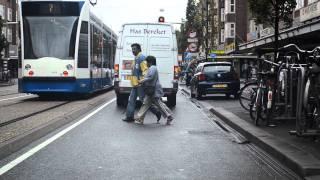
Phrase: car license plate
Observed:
(219, 85)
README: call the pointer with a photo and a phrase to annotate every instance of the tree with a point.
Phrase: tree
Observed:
(272, 12)
(3, 41)
(182, 39)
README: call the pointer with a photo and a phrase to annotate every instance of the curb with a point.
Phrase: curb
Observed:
(185, 91)
(304, 164)
(17, 143)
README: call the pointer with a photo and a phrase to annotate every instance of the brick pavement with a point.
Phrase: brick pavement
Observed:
(300, 154)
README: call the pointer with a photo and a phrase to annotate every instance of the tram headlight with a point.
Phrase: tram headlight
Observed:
(69, 67)
(27, 67)
(65, 73)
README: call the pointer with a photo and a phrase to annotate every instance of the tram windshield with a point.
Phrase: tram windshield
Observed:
(50, 28)
(49, 37)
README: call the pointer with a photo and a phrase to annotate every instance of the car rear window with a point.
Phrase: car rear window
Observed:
(217, 68)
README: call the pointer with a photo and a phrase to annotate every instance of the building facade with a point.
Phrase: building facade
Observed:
(233, 18)
(9, 58)
(304, 31)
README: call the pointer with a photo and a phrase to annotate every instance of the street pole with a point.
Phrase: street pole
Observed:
(207, 29)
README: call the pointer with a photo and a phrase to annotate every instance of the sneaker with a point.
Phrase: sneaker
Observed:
(138, 121)
(169, 120)
(128, 119)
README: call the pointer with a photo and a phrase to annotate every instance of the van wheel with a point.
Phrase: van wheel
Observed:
(122, 100)
(172, 100)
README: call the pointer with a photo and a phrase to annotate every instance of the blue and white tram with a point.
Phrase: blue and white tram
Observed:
(65, 48)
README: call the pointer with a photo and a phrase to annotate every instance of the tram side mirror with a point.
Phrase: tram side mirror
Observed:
(93, 2)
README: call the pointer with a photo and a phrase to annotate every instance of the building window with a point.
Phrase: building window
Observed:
(222, 35)
(215, 4)
(222, 15)
(2, 14)
(311, 1)
(232, 6)
(230, 30)
(9, 17)
(9, 35)
(300, 4)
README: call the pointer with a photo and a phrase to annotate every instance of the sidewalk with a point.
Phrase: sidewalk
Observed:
(6, 88)
(302, 155)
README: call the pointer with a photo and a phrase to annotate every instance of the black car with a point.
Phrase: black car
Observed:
(214, 78)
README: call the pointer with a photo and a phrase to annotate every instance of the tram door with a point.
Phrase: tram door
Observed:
(96, 58)
(106, 66)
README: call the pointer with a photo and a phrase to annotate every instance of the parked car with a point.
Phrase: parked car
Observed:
(215, 78)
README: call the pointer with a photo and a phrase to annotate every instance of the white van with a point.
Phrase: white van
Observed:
(156, 39)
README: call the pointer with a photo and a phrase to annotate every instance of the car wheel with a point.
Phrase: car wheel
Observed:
(191, 92)
(227, 95)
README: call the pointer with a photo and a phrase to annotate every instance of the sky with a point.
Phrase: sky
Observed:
(114, 13)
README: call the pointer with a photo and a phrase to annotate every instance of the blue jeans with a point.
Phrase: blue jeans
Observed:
(132, 101)
(135, 92)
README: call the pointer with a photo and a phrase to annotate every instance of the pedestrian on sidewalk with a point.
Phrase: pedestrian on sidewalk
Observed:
(139, 69)
(153, 93)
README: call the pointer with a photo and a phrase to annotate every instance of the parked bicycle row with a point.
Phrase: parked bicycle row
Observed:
(286, 89)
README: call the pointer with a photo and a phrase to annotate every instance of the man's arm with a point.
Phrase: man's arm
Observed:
(144, 67)
(149, 76)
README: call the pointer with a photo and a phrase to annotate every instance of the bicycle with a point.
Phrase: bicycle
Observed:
(283, 102)
(260, 105)
(309, 125)
(308, 95)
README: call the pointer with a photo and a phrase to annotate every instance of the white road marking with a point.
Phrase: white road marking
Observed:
(34, 150)
(15, 97)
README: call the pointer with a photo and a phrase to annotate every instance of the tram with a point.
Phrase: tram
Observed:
(65, 48)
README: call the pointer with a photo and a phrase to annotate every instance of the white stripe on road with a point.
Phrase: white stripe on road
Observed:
(15, 97)
(34, 150)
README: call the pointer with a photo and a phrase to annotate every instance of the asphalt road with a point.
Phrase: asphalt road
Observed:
(104, 147)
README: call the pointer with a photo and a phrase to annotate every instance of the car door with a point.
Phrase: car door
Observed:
(194, 79)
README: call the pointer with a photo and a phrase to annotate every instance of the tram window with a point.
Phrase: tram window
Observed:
(84, 27)
(96, 47)
(83, 46)
(106, 51)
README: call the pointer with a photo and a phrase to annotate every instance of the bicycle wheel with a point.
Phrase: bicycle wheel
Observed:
(246, 95)
(258, 109)
(312, 107)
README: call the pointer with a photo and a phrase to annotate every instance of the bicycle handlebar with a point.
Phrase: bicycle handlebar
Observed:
(292, 45)
(300, 50)
(269, 62)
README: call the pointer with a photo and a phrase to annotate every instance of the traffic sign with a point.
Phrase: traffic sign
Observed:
(212, 55)
(192, 47)
(192, 40)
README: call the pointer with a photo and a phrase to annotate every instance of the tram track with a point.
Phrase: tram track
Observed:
(11, 121)
(12, 101)
(8, 94)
